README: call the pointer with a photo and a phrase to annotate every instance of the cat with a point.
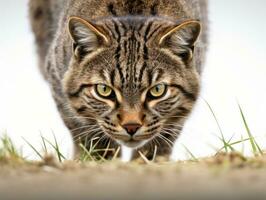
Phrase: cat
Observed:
(122, 72)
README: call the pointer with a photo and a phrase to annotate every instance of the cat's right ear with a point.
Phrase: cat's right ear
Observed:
(86, 36)
(181, 39)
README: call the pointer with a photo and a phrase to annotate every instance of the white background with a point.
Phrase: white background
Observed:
(235, 72)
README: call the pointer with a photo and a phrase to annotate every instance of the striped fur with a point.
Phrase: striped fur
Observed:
(130, 46)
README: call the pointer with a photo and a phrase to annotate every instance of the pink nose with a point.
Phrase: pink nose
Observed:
(132, 128)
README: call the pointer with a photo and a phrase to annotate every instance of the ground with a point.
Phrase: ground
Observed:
(225, 176)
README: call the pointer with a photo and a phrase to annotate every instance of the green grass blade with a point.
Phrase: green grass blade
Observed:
(59, 154)
(34, 149)
(243, 145)
(8, 150)
(258, 147)
(86, 155)
(219, 127)
(236, 142)
(44, 145)
(193, 157)
(56, 148)
(9, 146)
(229, 143)
(255, 148)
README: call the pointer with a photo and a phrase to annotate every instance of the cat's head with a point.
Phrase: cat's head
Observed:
(133, 76)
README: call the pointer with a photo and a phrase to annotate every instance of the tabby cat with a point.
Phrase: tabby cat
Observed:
(122, 72)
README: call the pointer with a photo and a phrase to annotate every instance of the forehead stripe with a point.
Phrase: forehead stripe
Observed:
(118, 52)
(112, 77)
(156, 29)
(145, 51)
(111, 30)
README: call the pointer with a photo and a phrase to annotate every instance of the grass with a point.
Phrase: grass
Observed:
(255, 147)
(214, 174)
(8, 152)
(92, 154)
(192, 156)
(228, 145)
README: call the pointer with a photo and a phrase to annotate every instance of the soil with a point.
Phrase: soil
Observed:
(221, 177)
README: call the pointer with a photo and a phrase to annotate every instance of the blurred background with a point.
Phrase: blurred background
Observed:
(235, 72)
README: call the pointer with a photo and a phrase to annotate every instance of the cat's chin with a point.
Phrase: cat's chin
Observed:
(133, 144)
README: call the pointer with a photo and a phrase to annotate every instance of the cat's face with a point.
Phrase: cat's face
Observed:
(133, 77)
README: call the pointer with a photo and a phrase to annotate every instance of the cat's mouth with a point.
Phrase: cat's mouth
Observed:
(133, 142)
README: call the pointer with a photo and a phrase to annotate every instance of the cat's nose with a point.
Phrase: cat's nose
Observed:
(131, 128)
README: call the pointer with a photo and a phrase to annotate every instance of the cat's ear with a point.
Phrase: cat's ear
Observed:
(86, 36)
(182, 38)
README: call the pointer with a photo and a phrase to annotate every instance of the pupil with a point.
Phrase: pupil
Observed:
(158, 88)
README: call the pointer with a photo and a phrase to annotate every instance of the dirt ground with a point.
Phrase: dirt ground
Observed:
(222, 177)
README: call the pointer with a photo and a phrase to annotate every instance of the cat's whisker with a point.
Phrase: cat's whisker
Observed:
(87, 126)
(96, 133)
(173, 136)
(170, 131)
(107, 148)
(81, 117)
(179, 127)
(172, 126)
(88, 130)
(78, 118)
(167, 131)
(171, 142)
(157, 141)
(103, 137)
(99, 139)
(79, 136)
(166, 140)
(154, 140)
(180, 116)
(106, 140)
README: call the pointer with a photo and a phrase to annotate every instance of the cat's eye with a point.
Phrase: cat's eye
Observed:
(158, 91)
(104, 90)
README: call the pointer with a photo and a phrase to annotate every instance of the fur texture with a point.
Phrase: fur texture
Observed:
(130, 50)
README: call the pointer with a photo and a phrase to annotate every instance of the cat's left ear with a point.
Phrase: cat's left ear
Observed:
(182, 38)
(86, 36)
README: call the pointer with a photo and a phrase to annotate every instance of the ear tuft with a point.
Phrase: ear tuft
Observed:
(86, 36)
(182, 38)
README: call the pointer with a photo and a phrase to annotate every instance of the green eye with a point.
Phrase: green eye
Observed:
(103, 90)
(158, 90)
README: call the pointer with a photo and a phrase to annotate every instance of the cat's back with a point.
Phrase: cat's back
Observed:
(179, 10)
(49, 17)
(174, 9)
(46, 14)
(169, 8)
